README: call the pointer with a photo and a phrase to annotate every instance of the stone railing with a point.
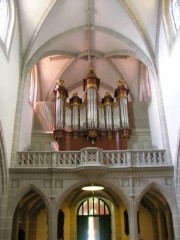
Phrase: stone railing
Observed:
(91, 157)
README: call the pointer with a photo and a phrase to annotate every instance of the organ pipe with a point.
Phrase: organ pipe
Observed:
(75, 102)
(91, 87)
(121, 94)
(61, 95)
(108, 102)
(92, 117)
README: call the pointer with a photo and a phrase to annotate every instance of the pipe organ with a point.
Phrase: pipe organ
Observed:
(93, 122)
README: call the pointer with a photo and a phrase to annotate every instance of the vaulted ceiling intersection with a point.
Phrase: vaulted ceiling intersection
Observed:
(62, 37)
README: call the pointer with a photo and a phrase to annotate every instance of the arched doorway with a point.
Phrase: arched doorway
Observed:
(30, 219)
(93, 220)
(154, 217)
(97, 207)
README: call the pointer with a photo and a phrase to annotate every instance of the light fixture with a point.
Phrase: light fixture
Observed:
(93, 188)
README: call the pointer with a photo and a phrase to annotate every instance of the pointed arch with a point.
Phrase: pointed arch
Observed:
(159, 206)
(163, 191)
(29, 208)
(23, 193)
(138, 52)
(115, 194)
(171, 20)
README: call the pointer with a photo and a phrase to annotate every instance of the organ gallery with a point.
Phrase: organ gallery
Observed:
(91, 122)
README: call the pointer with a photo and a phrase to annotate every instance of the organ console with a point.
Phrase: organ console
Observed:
(92, 123)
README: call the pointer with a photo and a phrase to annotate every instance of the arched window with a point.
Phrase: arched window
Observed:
(4, 18)
(6, 22)
(93, 220)
(144, 87)
(33, 86)
(93, 207)
(174, 10)
(171, 19)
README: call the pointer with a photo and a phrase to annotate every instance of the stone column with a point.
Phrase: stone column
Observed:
(176, 224)
(5, 220)
(133, 225)
(52, 221)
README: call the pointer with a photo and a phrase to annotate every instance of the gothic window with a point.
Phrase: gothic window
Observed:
(6, 22)
(171, 19)
(33, 86)
(4, 15)
(144, 86)
(174, 10)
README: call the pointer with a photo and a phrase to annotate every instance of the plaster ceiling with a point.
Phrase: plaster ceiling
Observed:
(61, 36)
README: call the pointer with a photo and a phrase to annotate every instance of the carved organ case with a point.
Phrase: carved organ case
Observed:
(92, 123)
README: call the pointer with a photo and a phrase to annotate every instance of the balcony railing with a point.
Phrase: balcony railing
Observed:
(91, 157)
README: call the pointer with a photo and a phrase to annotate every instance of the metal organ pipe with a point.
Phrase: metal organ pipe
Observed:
(75, 102)
(61, 96)
(108, 101)
(121, 94)
(92, 108)
(75, 118)
(92, 118)
(59, 112)
(91, 86)
(124, 113)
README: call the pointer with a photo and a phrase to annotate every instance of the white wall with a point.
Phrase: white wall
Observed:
(9, 78)
(169, 71)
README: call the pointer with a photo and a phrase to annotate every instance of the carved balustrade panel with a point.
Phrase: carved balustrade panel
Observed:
(91, 157)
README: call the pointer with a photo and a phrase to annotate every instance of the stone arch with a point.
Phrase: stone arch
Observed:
(167, 195)
(113, 195)
(137, 51)
(22, 193)
(116, 194)
(160, 204)
(27, 206)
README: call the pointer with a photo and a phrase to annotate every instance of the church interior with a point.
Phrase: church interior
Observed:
(89, 120)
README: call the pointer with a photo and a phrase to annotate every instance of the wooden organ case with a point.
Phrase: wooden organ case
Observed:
(92, 123)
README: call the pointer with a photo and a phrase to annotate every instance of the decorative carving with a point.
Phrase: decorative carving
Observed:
(168, 181)
(15, 183)
(125, 183)
(47, 184)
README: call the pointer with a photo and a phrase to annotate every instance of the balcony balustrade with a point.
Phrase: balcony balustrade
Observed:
(91, 157)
